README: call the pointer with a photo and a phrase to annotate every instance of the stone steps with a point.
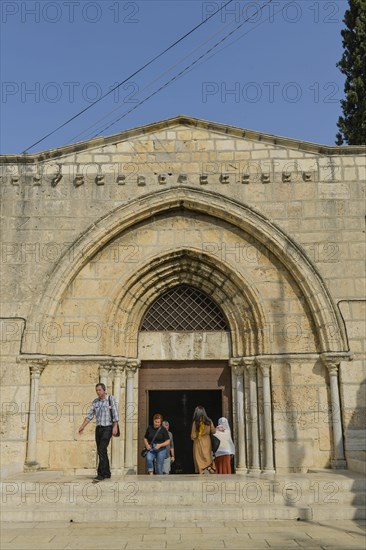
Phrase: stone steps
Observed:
(213, 494)
(176, 514)
(47, 496)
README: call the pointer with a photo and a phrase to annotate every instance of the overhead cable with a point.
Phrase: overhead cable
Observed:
(127, 79)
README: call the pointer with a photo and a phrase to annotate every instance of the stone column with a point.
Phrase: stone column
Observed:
(238, 370)
(36, 369)
(339, 461)
(130, 412)
(267, 416)
(251, 367)
(118, 369)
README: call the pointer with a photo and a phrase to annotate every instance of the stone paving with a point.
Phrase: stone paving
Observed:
(199, 535)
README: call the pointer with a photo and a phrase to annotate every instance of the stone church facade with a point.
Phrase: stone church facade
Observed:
(185, 256)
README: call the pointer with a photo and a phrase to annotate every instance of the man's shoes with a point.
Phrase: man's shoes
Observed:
(107, 477)
(98, 478)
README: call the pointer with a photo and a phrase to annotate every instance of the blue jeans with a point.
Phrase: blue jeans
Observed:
(158, 455)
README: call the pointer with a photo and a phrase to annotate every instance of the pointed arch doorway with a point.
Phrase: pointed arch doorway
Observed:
(187, 337)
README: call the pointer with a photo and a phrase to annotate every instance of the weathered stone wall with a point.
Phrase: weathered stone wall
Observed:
(301, 415)
(14, 398)
(50, 202)
(44, 219)
(287, 323)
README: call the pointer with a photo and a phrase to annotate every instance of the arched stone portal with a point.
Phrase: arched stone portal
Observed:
(184, 344)
(280, 315)
(269, 238)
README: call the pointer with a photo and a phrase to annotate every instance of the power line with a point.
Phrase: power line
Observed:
(181, 73)
(119, 107)
(128, 78)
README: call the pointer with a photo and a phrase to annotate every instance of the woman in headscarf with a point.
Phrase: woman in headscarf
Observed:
(202, 427)
(226, 449)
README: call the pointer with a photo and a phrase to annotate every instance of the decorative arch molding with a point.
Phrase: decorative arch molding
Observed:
(238, 299)
(327, 319)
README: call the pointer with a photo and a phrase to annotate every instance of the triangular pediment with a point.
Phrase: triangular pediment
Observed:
(198, 127)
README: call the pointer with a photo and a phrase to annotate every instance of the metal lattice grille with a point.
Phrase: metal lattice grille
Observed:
(184, 308)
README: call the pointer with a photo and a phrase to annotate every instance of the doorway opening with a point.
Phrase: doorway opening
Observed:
(177, 406)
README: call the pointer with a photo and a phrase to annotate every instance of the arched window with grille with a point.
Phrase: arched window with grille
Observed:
(186, 309)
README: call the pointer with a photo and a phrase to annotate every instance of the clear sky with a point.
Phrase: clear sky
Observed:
(276, 74)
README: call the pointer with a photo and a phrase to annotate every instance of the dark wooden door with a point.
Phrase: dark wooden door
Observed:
(175, 388)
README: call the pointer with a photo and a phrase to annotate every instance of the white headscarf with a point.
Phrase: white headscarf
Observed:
(224, 434)
(224, 423)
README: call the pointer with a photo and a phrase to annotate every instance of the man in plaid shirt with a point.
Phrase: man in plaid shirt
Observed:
(105, 428)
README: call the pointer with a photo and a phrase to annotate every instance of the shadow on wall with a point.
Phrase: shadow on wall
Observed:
(355, 431)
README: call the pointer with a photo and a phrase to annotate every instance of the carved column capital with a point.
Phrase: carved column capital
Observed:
(264, 365)
(132, 366)
(336, 357)
(36, 367)
(250, 365)
(119, 365)
(331, 362)
(235, 361)
(237, 366)
(333, 368)
(238, 369)
(105, 367)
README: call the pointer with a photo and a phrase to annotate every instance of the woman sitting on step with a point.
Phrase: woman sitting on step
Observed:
(202, 427)
(156, 440)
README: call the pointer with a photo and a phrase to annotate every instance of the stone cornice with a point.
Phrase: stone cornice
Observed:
(99, 360)
(334, 358)
(281, 357)
(230, 131)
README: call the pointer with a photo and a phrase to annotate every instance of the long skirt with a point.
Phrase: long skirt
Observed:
(202, 454)
(223, 464)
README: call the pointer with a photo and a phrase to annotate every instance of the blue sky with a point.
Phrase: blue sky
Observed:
(276, 74)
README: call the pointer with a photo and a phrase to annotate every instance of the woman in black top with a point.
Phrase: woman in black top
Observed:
(156, 439)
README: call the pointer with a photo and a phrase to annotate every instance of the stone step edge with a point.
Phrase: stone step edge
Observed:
(261, 514)
(168, 486)
(330, 512)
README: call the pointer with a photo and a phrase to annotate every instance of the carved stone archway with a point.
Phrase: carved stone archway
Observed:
(231, 291)
(325, 314)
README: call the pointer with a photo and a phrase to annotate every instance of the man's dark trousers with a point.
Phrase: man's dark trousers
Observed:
(103, 436)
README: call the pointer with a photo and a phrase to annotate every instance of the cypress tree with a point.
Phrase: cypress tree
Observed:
(352, 125)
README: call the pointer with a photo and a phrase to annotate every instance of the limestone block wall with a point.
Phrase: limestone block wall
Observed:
(85, 303)
(65, 395)
(66, 392)
(50, 200)
(302, 417)
(316, 198)
(14, 398)
(353, 381)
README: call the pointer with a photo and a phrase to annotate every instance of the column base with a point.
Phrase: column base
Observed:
(117, 471)
(130, 472)
(31, 466)
(241, 470)
(254, 471)
(268, 471)
(338, 464)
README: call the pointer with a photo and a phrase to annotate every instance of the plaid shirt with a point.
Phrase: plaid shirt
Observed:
(102, 412)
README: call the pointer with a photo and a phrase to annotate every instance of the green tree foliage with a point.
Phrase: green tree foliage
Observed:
(352, 125)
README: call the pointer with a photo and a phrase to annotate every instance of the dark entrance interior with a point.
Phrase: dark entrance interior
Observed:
(178, 406)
